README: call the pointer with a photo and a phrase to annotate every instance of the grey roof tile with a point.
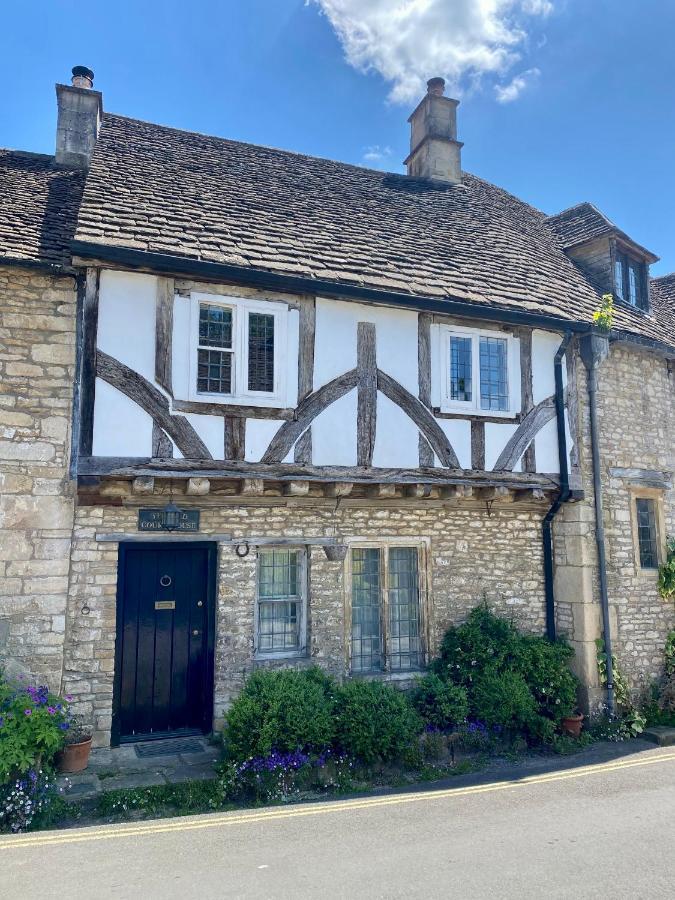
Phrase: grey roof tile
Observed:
(38, 208)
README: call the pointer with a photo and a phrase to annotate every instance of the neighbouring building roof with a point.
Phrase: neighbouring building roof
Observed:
(162, 190)
(584, 222)
(38, 208)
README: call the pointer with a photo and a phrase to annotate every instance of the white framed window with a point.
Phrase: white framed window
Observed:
(281, 602)
(478, 371)
(387, 599)
(237, 350)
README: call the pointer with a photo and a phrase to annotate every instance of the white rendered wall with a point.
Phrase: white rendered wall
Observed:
(126, 319)
(334, 434)
(121, 427)
(335, 341)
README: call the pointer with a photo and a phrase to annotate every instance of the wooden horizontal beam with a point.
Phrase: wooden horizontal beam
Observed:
(131, 467)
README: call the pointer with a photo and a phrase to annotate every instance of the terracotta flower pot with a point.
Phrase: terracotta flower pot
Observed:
(73, 757)
(571, 725)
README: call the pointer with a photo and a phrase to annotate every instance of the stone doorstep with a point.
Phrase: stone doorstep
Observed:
(661, 735)
(119, 768)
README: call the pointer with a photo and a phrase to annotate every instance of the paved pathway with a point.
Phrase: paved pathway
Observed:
(581, 831)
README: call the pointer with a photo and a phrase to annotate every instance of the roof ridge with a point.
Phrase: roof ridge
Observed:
(29, 153)
(226, 140)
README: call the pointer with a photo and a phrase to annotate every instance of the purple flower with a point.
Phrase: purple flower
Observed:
(28, 712)
(51, 710)
(64, 726)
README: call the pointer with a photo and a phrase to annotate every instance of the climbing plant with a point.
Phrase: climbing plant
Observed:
(604, 314)
(667, 572)
(632, 717)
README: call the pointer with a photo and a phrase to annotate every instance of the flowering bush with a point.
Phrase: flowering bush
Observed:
(282, 776)
(521, 682)
(26, 799)
(33, 726)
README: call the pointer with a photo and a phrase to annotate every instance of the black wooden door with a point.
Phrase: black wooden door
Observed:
(165, 639)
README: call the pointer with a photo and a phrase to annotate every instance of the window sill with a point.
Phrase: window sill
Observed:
(408, 675)
(276, 655)
(624, 304)
(454, 412)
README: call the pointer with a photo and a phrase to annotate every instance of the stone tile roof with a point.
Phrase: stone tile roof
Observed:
(158, 189)
(584, 222)
(38, 208)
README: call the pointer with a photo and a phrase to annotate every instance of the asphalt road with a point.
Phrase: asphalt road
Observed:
(601, 830)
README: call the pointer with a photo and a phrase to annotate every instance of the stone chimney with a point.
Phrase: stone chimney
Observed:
(79, 119)
(435, 151)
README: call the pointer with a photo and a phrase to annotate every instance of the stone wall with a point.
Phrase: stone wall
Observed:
(37, 362)
(470, 554)
(636, 412)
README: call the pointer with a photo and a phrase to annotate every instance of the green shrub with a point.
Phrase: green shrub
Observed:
(440, 703)
(504, 699)
(375, 722)
(281, 710)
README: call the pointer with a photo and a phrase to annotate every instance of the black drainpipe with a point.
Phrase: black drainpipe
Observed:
(564, 492)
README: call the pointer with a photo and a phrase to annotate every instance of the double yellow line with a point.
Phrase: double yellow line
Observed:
(107, 832)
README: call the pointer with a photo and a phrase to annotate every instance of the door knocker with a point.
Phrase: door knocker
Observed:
(165, 580)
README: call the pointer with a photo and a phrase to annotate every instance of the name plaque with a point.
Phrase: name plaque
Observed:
(156, 520)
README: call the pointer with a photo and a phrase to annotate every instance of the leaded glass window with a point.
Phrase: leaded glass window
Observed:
(280, 600)
(494, 384)
(215, 353)
(404, 609)
(260, 352)
(460, 368)
(366, 602)
(647, 533)
(386, 615)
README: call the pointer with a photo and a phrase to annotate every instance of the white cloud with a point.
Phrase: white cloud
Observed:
(408, 41)
(376, 156)
(507, 93)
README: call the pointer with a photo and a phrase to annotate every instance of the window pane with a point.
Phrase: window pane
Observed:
(366, 593)
(279, 600)
(214, 371)
(260, 352)
(632, 285)
(404, 609)
(215, 326)
(618, 277)
(494, 386)
(460, 368)
(647, 539)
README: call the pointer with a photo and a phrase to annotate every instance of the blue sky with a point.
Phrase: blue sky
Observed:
(562, 100)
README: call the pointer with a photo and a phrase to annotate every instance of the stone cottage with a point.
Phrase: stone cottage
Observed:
(263, 409)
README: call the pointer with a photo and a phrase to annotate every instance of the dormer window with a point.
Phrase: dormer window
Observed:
(630, 280)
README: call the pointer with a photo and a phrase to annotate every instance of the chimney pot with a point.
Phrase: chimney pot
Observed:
(436, 86)
(82, 77)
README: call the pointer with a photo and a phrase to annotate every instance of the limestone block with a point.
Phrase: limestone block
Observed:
(25, 451)
(36, 512)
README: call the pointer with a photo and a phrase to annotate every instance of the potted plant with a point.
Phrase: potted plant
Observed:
(74, 756)
(571, 724)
